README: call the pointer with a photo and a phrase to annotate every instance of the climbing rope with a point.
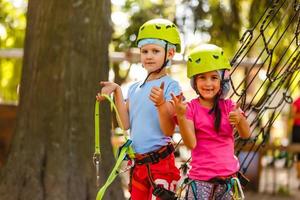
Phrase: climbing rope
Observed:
(281, 72)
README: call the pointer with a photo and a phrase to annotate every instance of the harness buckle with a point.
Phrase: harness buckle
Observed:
(96, 161)
(164, 194)
(130, 165)
(154, 157)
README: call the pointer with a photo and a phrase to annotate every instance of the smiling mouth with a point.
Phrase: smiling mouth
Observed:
(208, 90)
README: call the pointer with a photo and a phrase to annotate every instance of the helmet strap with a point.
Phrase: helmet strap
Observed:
(161, 68)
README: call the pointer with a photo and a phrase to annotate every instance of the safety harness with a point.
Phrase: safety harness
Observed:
(152, 158)
(233, 183)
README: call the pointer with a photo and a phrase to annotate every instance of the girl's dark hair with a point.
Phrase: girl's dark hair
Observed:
(217, 111)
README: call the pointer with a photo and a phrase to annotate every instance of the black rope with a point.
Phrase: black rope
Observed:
(280, 71)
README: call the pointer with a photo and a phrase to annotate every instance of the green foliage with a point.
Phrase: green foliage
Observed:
(221, 20)
(12, 31)
(140, 12)
(10, 78)
(12, 23)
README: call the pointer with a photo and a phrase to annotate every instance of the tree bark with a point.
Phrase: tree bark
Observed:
(66, 55)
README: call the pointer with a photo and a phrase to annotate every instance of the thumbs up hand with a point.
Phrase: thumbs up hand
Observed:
(235, 116)
(157, 95)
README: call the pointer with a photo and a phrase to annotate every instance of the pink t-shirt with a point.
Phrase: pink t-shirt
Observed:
(296, 104)
(214, 153)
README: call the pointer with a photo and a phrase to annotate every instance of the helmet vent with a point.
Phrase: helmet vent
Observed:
(142, 28)
(157, 27)
(222, 53)
(168, 26)
(198, 61)
(216, 57)
(190, 60)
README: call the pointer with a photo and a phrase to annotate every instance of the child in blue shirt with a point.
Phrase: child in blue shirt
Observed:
(154, 174)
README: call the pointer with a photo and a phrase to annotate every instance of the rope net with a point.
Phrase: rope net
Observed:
(270, 53)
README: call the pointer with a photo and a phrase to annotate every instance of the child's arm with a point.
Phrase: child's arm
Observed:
(186, 127)
(165, 110)
(237, 119)
(122, 106)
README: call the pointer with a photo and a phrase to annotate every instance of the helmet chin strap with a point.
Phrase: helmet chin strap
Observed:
(161, 68)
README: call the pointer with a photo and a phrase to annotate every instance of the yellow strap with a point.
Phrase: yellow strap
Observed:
(125, 149)
(130, 151)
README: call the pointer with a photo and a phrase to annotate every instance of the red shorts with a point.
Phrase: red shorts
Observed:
(164, 173)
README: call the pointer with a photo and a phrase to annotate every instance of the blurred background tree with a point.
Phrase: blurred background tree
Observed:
(12, 31)
(52, 147)
(214, 21)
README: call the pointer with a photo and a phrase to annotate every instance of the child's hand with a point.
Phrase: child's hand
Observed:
(180, 106)
(157, 95)
(107, 88)
(235, 116)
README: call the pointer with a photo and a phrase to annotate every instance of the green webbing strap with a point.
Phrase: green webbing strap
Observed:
(126, 149)
(130, 150)
(114, 173)
(97, 153)
(238, 193)
(116, 111)
(194, 189)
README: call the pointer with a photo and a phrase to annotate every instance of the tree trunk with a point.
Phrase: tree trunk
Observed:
(66, 55)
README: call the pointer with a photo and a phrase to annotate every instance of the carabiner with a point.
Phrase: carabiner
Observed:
(96, 161)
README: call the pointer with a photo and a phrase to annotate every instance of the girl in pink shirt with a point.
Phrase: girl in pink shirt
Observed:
(207, 124)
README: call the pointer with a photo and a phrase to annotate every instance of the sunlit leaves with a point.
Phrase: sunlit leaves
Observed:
(12, 31)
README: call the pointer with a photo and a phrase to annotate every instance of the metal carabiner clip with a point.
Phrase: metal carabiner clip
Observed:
(240, 190)
(130, 164)
(96, 161)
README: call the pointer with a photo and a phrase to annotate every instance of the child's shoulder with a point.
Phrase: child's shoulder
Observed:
(193, 103)
(133, 86)
(228, 103)
(169, 79)
(170, 82)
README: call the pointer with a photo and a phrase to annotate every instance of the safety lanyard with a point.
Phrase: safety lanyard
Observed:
(124, 150)
(114, 173)
(238, 193)
(97, 153)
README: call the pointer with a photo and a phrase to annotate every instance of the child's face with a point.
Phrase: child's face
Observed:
(152, 56)
(208, 84)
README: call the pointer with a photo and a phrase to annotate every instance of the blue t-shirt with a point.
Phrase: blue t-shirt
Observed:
(145, 131)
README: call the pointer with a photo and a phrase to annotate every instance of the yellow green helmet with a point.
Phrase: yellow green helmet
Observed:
(206, 58)
(160, 29)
